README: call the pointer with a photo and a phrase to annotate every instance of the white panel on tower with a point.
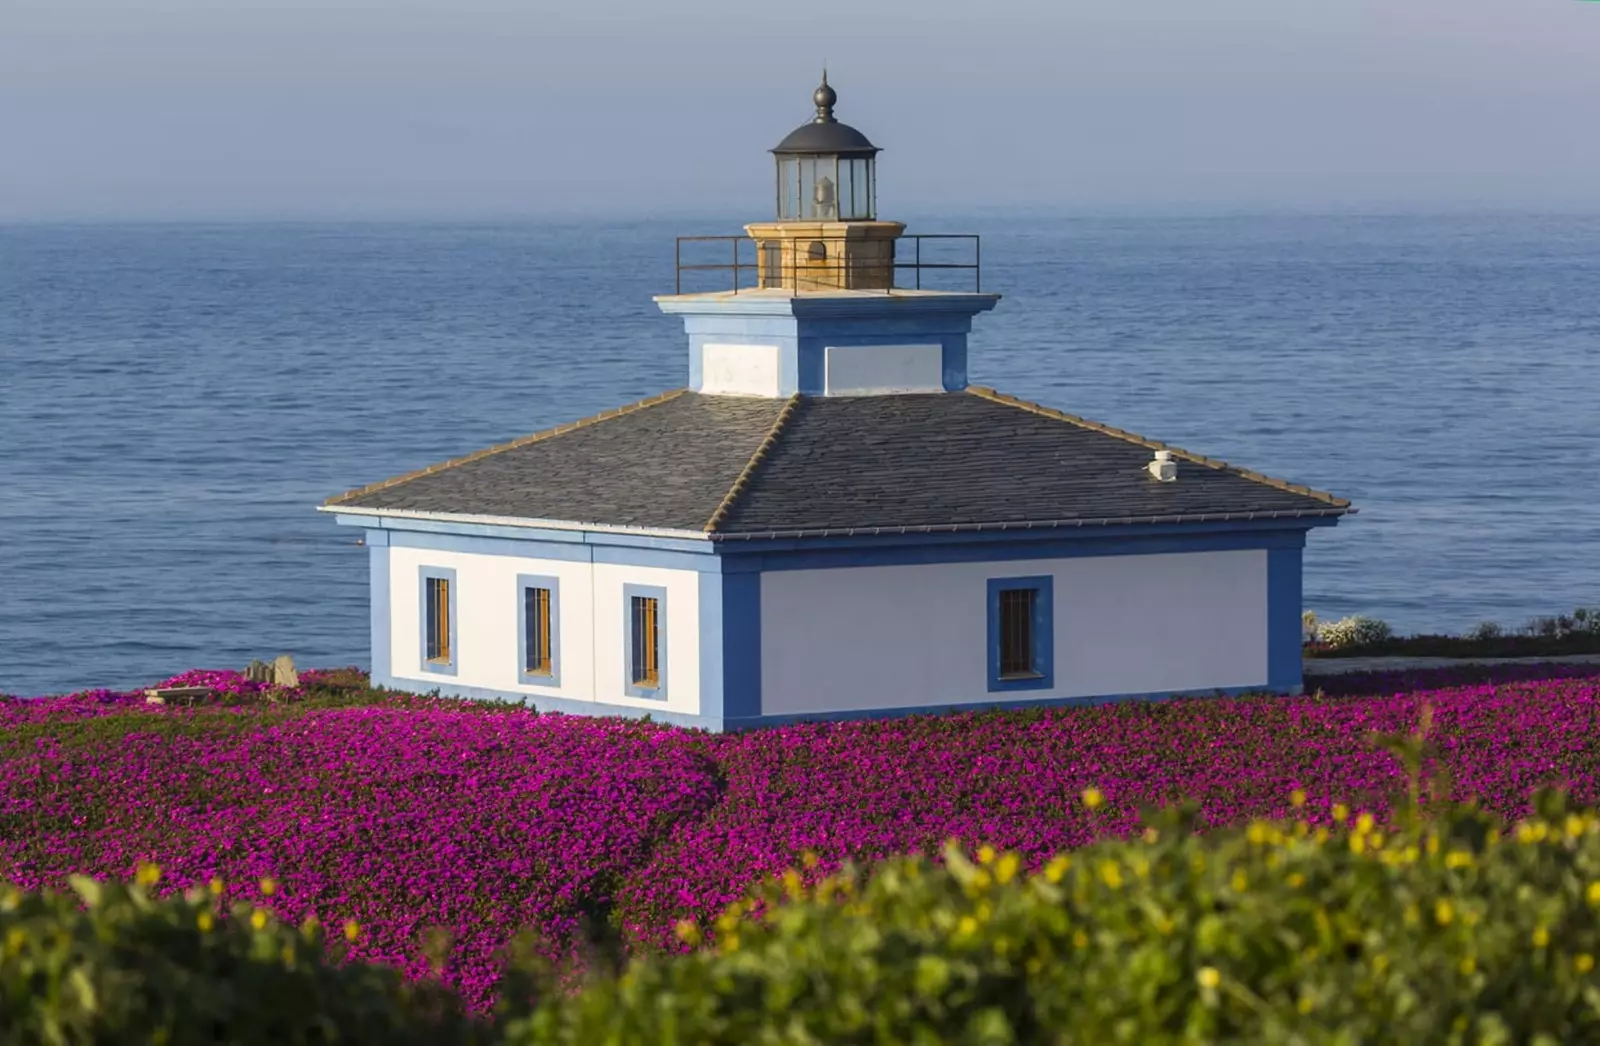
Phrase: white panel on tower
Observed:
(875, 370)
(739, 370)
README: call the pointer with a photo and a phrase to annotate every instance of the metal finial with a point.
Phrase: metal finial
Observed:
(824, 97)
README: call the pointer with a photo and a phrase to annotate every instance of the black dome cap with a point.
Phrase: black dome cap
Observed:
(824, 134)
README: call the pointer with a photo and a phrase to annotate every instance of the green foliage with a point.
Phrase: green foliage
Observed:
(110, 966)
(1557, 636)
(1441, 930)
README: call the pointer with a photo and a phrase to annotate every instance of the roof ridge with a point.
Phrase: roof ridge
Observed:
(521, 441)
(985, 392)
(748, 472)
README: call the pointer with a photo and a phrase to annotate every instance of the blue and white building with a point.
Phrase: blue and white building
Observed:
(829, 521)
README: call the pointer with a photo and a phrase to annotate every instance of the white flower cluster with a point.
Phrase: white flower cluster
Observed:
(1356, 630)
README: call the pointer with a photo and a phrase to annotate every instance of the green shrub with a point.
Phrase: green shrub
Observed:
(1438, 931)
(111, 965)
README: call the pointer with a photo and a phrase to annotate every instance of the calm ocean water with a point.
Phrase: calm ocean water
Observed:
(175, 400)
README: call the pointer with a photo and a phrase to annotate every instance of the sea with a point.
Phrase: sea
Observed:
(176, 399)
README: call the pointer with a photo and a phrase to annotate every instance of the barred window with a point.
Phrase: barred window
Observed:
(646, 641)
(1018, 657)
(538, 655)
(437, 597)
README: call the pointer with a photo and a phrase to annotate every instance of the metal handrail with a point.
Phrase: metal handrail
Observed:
(825, 265)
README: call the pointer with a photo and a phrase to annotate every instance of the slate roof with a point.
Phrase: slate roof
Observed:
(738, 468)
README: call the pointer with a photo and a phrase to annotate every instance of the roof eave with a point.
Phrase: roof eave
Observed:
(1330, 513)
(379, 515)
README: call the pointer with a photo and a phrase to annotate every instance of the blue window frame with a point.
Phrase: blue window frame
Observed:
(437, 598)
(1021, 633)
(644, 628)
(538, 630)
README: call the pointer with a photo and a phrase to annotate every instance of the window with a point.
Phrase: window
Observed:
(646, 631)
(1017, 660)
(1021, 634)
(538, 630)
(646, 641)
(438, 599)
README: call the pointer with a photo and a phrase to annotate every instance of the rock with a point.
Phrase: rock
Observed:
(283, 673)
(258, 671)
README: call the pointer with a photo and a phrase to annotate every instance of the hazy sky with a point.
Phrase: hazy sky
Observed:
(373, 108)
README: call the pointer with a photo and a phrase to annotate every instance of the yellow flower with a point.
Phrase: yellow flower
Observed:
(1541, 937)
(258, 919)
(687, 932)
(1593, 893)
(1458, 859)
(147, 875)
(1057, 868)
(808, 859)
(1080, 940)
(1241, 881)
(1297, 798)
(730, 943)
(1376, 839)
(1110, 874)
(1208, 976)
(1256, 833)
(1358, 843)
(352, 930)
(1364, 823)
(1306, 1004)
(1296, 880)
(967, 927)
(1006, 868)
(1583, 962)
(215, 885)
(1151, 835)
(205, 922)
(1468, 965)
(1341, 813)
(269, 887)
(985, 854)
(1444, 912)
(1092, 798)
(1575, 826)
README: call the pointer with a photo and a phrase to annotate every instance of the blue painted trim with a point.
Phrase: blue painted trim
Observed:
(571, 552)
(659, 691)
(954, 364)
(822, 554)
(712, 645)
(541, 703)
(741, 645)
(379, 608)
(703, 558)
(374, 536)
(703, 562)
(440, 668)
(1044, 636)
(547, 535)
(551, 678)
(1284, 653)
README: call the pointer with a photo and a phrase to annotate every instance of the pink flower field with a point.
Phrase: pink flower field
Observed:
(406, 813)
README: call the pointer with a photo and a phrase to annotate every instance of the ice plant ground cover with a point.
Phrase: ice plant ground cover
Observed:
(405, 814)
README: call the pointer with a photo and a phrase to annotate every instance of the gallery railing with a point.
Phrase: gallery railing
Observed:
(823, 263)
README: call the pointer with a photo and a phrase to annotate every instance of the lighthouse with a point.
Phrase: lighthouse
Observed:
(827, 519)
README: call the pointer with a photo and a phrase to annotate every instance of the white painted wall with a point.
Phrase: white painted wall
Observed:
(897, 637)
(739, 370)
(872, 370)
(591, 653)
